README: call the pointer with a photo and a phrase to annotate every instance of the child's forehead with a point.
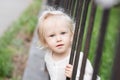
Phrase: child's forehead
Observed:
(56, 19)
(55, 23)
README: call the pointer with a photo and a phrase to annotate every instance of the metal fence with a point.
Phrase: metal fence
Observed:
(78, 9)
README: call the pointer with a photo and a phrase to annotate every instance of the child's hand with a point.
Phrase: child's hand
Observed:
(68, 70)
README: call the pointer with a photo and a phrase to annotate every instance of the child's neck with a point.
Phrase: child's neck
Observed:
(61, 56)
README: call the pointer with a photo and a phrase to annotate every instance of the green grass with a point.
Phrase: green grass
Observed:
(27, 22)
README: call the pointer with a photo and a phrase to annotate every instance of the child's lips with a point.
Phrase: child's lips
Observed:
(59, 45)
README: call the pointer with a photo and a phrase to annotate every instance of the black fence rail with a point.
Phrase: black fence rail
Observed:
(78, 9)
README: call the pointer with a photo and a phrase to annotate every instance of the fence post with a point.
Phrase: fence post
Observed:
(80, 37)
(99, 49)
(116, 71)
(88, 39)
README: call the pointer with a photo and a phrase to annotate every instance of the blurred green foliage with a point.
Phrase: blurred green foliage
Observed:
(5, 63)
(109, 43)
(28, 21)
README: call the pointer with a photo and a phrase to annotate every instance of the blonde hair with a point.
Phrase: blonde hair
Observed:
(49, 13)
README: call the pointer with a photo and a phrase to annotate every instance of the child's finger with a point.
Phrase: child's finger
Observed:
(68, 74)
(69, 66)
(68, 69)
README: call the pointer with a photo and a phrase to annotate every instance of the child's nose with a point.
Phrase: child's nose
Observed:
(59, 38)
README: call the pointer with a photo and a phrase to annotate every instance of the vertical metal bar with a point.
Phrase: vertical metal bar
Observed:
(80, 37)
(72, 7)
(56, 3)
(62, 3)
(100, 42)
(88, 39)
(78, 10)
(116, 71)
(78, 14)
(50, 2)
(69, 4)
(77, 28)
(66, 3)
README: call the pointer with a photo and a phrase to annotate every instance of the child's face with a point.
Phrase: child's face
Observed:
(57, 35)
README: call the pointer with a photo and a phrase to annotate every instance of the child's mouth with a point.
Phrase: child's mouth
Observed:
(59, 45)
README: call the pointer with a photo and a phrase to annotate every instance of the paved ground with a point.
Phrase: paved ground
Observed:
(35, 69)
(10, 10)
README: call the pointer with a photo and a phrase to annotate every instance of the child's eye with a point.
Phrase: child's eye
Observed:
(63, 32)
(52, 35)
